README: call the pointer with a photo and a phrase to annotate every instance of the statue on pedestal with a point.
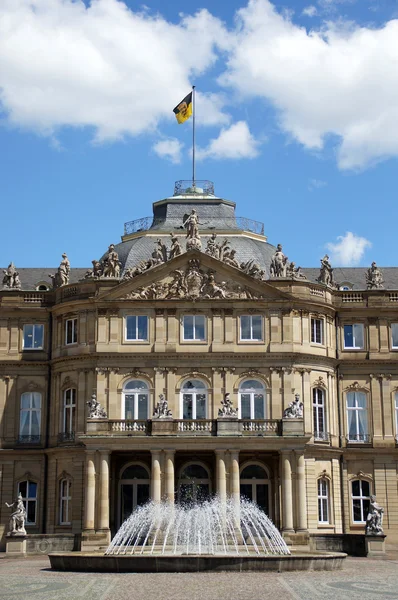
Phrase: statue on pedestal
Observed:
(61, 277)
(374, 520)
(374, 278)
(326, 274)
(112, 263)
(162, 408)
(95, 410)
(175, 249)
(278, 263)
(295, 409)
(18, 517)
(227, 409)
(11, 278)
(191, 222)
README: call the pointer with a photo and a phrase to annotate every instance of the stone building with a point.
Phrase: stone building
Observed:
(194, 358)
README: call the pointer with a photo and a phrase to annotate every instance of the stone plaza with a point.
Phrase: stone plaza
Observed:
(360, 579)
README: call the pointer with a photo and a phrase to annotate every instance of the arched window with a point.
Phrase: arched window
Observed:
(134, 489)
(30, 417)
(318, 411)
(65, 502)
(28, 491)
(193, 484)
(69, 410)
(357, 417)
(135, 400)
(251, 404)
(193, 400)
(360, 497)
(254, 485)
(323, 500)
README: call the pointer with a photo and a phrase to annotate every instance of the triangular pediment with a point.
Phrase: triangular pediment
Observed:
(193, 275)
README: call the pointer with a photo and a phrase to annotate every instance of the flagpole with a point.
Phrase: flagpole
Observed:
(193, 137)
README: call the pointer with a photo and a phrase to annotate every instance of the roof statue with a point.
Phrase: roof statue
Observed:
(61, 277)
(175, 249)
(293, 272)
(191, 222)
(278, 263)
(11, 278)
(374, 278)
(326, 273)
(112, 263)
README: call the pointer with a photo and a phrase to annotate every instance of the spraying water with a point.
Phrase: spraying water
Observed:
(211, 527)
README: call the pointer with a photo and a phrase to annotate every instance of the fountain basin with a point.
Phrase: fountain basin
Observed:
(152, 563)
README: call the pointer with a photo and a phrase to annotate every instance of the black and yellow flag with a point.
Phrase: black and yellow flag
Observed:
(184, 109)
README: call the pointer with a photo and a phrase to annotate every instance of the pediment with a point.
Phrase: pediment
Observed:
(193, 276)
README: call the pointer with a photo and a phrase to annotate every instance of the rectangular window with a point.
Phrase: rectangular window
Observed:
(28, 491)
(71, 331)
(33, 337)
(316, 331)
(65, 501)
(69, 410)
(251, 328)
(357, 417)
(136, 328)
(323, 501)
(194, 328)
(360, 500)
(354, 336)
(394, 335)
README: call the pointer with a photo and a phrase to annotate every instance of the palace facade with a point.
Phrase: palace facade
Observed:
(114, 381)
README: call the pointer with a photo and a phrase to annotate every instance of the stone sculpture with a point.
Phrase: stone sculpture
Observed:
(278, 263)
(112, 263)
(161, 410)
(95, 410)
(191, 222)
(374, 520)
(227, 409)
(295, 409)
(294, 272)
(253, 269)
(61, 277)
(175, 249)
(374, 278)
(96, 271)
(17, 518)
(11, 278)
(229, 259)
(326, 273)
(210, 289)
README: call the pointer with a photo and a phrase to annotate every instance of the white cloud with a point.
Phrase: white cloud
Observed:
(348, 250)
(310, 11)
(170, 149)
(341, 79)
(232, 143)
(103, 65)
(316, 184)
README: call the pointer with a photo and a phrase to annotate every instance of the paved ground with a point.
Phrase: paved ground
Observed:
(361, 579)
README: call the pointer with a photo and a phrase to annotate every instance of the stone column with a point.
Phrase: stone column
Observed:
(302, 496)
(156, 476)
(89, 511)
(234, 479)
(287, 499)
(169, 473)
(221, 475)
(103, 521)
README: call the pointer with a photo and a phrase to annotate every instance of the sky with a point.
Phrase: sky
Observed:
(296, 121)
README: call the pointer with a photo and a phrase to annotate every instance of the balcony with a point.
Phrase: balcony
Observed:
(184, 427)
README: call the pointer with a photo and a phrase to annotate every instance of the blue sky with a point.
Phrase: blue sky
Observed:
(297, 114)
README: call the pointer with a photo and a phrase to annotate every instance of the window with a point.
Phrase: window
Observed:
(323, 501)
(134, 490)
(396, 415)
(30, 417)
(394, 335)
(354, 336)
(360, 495)
(65, 508)
(71, 331)
(254, 486)
(251, 328)
(69, 410)
(33, 337)
(193, 400)
(251, 400)
(28, 491)
(193, 484)
(357, 417)
(136, 328)
(135, 400)
(318, 411)
(194, 328)
(316, 331)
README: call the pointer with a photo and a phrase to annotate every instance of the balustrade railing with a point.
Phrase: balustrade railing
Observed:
(196, 426)
(136, 426)
(321, 436)
(261, 426)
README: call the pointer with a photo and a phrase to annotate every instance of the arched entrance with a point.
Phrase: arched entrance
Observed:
(255, 486)
(193, 484)
(134, 490)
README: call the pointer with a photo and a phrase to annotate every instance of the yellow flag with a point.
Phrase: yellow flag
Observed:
(184, 109)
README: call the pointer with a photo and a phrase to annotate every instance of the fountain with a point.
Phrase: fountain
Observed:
(212, 535)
